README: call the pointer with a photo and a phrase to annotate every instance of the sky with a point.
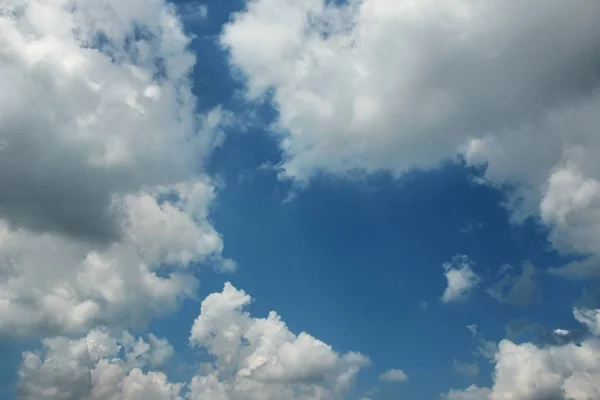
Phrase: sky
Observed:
(299, 200)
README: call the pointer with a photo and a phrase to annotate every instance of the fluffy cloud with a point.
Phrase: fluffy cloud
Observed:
(91, 368)
(101, 150)
(590, 318)
(403, 83)
(391, 85)
(461, 279)
(254, 358)
(526, 371)
(393, 375)
(259, 358)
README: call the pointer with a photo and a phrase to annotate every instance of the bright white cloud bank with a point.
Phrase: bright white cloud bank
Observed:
(254, 359)
(390, 85)
(99, 165)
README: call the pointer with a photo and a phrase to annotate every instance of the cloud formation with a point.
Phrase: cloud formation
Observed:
(100, 165)
(393, 375)
(259, 358)
(254, 358)
(460, 279)
(376, 85)
(559, 371)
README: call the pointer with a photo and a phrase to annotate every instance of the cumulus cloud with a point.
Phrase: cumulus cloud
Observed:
(100, 165)
(560, 371)
(254, 359)
(391, 85)
(92, 368)
(461, 279)
(449, 73)
(590, 318)
(393, 375)
(259, 358)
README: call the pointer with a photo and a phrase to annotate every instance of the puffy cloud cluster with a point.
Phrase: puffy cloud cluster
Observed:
(259, 358)
(55, 283)
(105, 207)
(254, 358)
(100, 165)
(98, 366)
(460, 279)
(527, 371)
(391, 85)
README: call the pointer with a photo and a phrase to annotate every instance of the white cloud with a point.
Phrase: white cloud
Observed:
(471, 393)
(259, 358)
(106, 208)
(393, 375)
(101, 154)
(391, 85)
(461, 279)
(57, 284)
(590, 318)
(526, 371)
(254, 359)
(449, 73)
(91, 368)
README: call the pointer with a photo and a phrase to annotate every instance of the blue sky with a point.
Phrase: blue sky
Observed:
(347, 189)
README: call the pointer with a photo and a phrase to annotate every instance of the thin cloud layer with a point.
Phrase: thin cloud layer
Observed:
(99, 165)
(469, 370)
